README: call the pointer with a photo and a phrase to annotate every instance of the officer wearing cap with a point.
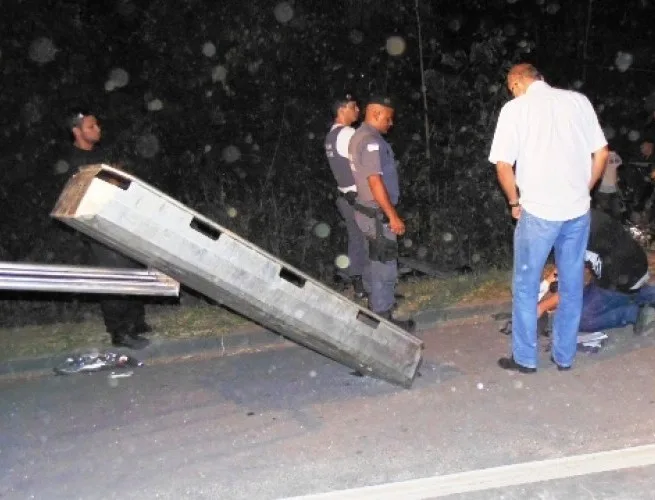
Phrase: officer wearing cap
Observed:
(124, 317)
(374, 169)
(346, 113)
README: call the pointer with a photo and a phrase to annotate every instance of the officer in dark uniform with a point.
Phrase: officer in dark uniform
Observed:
(346, 113)
(124, 317)
(374, 168)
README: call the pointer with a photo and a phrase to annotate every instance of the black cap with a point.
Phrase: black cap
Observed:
(342, 101)
(382, 99)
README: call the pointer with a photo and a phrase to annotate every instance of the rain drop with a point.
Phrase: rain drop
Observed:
(231, 154)
(209, 49)
(407, 243)
(623, 61)
(396, 45)
(422, 252)
(147, 146)
(219, 74)
(119, 77)
(283, 12)
(455, 25)
(61, 167)
(322, 230)
(609, 132)
(634, 135)
(356, 37)
(447, 237)
(231, 212)
(42, 50)
(155, 105)
(342, 261)
(553, 8)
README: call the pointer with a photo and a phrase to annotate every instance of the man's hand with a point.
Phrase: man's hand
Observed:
(647, 150)
(397, 226)
(516, 212)
(551, 276)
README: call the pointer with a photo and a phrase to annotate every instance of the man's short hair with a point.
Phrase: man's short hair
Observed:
(75, 117)
(382, 100)
(341, 102)
(526, 70)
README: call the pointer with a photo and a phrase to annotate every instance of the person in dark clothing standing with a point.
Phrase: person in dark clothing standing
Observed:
(124, 317)
(378, 192)
(337, 140)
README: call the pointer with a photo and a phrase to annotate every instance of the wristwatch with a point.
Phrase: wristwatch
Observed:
(515, 204)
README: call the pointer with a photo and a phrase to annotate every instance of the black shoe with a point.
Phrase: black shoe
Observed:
(560, 368)
(130, 341)
(645, 320)
(406, 324)
(142, 328)
(358, 287)
(510, 364)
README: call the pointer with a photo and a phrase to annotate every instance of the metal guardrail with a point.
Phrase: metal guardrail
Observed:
(83, 279)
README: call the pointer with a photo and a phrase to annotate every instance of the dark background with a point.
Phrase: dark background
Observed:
(273, 106)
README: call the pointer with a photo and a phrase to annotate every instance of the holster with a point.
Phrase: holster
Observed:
(350, 197)
(380, 248)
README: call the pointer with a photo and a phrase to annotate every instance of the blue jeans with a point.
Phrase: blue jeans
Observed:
(603, 309)
(534, 238)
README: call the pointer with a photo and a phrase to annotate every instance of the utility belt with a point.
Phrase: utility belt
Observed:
(350, 196)
(380, 248)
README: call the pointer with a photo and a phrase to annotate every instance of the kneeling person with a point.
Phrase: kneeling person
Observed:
(616, 290)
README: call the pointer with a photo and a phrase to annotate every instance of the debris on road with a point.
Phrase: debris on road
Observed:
(96, 361)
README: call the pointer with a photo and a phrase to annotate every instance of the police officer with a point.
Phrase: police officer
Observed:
(346, 113)
(374, 169)
(124, 317)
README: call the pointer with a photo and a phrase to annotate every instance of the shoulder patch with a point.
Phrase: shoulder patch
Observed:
(373, 147)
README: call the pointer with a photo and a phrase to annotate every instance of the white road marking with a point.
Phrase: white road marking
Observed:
(498, 477)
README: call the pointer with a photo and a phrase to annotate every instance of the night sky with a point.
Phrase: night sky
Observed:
(224, 105)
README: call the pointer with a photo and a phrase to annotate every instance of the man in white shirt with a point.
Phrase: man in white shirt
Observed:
(346, 112)
(554, 138)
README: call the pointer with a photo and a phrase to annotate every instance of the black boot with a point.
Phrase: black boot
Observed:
(358, 287)
(132, 341)
(405, 324)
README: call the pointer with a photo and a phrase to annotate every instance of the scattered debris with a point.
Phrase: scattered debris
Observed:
(94, 362)
(591, 342)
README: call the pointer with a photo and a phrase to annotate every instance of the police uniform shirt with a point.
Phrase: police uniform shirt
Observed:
(371, 155)
(616, 259)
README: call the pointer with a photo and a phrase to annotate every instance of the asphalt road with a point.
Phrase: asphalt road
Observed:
(288, 422)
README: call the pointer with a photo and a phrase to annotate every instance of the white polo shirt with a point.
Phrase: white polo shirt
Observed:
(550, 134)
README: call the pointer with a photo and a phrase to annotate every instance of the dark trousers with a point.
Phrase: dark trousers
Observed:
(603, 309)
(357, 245)
(610, 203)
(122, 314)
